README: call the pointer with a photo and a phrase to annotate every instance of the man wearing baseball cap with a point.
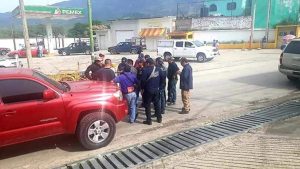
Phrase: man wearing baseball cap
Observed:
(93, 68)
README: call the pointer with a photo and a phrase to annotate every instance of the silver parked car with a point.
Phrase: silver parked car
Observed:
(290, 60)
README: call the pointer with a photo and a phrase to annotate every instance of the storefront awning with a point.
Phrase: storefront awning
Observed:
(152, 32)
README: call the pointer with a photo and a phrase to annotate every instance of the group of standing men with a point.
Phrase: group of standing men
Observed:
(147, 77)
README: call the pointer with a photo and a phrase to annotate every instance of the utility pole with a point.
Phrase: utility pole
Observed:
(13, 36)
(91, 29)
(25, 33)
(268, 20)
(252, 24)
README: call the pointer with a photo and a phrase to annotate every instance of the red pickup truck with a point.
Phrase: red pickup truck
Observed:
(34, 106)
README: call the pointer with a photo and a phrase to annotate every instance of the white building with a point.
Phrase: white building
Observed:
(149, 29)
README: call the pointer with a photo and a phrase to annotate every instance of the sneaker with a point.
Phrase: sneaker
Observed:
(147, 122)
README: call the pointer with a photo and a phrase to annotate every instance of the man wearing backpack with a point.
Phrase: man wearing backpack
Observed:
(151, 81)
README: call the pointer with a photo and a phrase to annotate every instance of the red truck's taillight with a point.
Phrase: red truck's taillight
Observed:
(280, 60)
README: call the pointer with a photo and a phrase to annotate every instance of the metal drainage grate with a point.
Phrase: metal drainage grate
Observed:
(187, 139)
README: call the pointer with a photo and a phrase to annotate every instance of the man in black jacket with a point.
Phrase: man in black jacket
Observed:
(186, 84)
(93, 68)
(172, 73)
(151, 81)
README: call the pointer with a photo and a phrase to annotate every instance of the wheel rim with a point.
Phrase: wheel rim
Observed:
(98, 131)
(64, 53)
(200, 58)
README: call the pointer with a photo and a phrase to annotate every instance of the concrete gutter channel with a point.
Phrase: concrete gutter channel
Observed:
(143, 154)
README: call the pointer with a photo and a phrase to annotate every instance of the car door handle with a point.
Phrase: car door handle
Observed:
(9, 113)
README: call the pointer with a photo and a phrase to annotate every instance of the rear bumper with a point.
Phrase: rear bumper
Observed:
(289, 72)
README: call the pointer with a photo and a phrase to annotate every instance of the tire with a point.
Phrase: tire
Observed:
(134, 51)
(292, 79)
(201, 57)
(87, 131)
(87, 52)
(113, 52)
(3, 53)
(64, 53)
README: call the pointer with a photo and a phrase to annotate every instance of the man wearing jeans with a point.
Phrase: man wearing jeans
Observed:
(186, 84)
(127, 81)
(172, 72)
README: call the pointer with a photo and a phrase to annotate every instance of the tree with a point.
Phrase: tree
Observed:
(58, 30)
(79, 30)
(97, 22)
(37, 30)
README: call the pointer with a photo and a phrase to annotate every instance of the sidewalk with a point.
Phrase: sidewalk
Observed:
(274, 146)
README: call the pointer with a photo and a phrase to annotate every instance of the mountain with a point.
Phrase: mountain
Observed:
(118, 9)
(111, 9)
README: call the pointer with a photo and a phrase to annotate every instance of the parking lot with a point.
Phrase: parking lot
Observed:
(231, 84)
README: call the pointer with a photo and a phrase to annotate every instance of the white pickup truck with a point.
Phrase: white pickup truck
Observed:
(186, 48)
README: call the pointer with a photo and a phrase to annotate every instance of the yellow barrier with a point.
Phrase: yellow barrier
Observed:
(246, 46)
(66, 76)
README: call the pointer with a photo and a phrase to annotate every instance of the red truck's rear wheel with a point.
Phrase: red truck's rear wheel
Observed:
(96, 130)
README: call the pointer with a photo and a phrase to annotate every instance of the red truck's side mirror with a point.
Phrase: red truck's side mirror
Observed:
(49, 95)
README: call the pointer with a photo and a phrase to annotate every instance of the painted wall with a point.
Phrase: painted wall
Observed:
(221, 23)
(8, 43)
(165, 22)
(122, 25)
(222, 8)
(281, 10)
(225, 36)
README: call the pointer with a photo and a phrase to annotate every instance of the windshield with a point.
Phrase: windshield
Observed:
(198, 43)
(49, 80)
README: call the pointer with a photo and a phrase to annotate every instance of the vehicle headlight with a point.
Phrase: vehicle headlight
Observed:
(118, 95)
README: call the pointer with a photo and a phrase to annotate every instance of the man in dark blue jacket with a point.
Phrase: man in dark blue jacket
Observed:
(186, 84)
(151, 82)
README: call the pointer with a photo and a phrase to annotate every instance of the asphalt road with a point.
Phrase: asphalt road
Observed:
(233, 83)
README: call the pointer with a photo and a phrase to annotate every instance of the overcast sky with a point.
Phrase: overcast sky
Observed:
(9, 5)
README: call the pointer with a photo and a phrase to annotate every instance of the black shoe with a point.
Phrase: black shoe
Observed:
(159, 120)
(171, 103)
(147, 122)
(163, 112)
